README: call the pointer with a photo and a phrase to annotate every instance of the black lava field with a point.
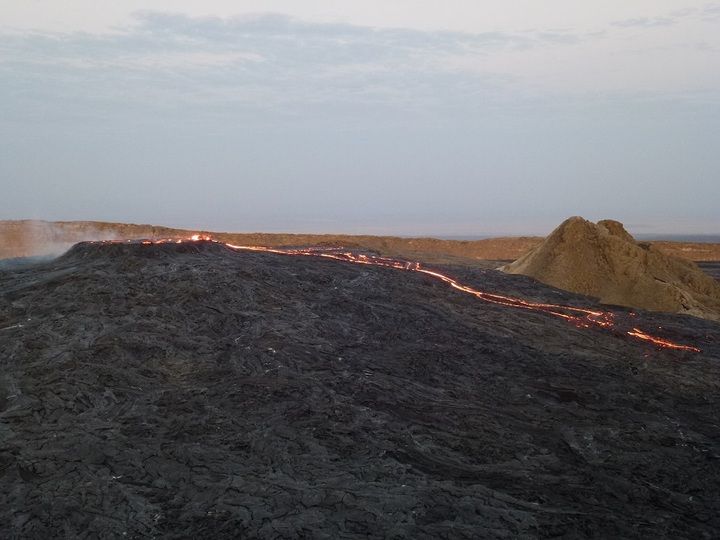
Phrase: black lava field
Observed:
(195, 391)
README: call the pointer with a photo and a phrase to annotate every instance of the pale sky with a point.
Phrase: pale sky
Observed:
(460, 117)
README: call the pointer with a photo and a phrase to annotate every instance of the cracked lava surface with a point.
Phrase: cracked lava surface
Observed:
(580, 317)
(211, 391)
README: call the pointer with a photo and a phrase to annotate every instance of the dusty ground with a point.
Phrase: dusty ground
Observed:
(29, 238)
(190, 391)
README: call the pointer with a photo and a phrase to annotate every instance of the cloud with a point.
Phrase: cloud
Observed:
(271, 62)
(266, 61)
(711, 12)
(645, 22)
(707, 13)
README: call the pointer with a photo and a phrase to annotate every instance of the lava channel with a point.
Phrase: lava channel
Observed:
(579, 317)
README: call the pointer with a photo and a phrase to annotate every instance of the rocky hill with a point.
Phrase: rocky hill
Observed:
(604, 261)
(191, 390)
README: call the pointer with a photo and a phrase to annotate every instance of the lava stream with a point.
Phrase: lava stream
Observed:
(580, 317)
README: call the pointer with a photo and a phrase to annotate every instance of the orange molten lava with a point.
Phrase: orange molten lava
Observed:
(639, 334)
(580, 317)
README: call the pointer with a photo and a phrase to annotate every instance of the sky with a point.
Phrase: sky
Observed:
(446, 118)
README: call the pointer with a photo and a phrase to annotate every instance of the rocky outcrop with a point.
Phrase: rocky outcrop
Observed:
(603, 260)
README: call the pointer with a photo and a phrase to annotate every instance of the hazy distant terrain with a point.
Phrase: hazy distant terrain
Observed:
(31, 238)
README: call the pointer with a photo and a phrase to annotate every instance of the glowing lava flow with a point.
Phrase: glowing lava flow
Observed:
(580, 317)
(583, 318)
(639, 334)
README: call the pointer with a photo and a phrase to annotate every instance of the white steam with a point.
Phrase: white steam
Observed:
(45, 239)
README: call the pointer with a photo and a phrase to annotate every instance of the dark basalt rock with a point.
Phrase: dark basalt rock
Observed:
(107, 250)
(188, 390)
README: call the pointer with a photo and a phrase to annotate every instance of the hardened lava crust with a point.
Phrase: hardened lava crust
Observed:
(177, 390)
(84, 251)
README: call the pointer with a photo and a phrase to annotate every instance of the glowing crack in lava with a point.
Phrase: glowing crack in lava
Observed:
(580, 317)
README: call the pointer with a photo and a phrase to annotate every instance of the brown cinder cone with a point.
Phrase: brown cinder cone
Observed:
(603, 260)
